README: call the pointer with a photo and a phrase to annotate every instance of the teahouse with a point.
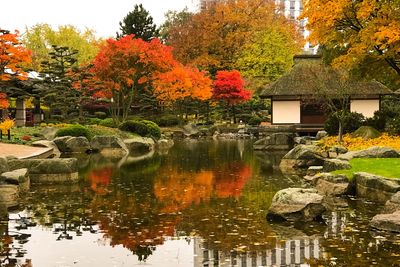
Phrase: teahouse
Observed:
(294, 97)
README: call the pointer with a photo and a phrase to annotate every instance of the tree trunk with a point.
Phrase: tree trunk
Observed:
(340, 134)
(234, 113)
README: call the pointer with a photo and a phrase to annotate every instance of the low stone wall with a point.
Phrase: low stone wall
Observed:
(47, 171)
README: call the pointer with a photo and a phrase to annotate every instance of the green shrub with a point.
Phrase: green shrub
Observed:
(254, 120)
(153, 129)
(379, 120)
(74, 130)
(168, 120)
(109, 122)
(366, 132)
(245, 118)
(100, 114)
(393, 126)
(142, 128)
(352, 122)
(94, 121)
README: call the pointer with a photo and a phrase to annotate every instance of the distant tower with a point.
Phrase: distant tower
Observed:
(204, 4)
(292, 10)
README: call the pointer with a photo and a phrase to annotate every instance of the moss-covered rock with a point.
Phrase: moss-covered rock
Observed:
(366, 132)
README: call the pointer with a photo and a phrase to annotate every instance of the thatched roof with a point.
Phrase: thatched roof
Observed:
(312, 78)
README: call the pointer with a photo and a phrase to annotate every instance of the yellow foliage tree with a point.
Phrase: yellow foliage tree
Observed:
(361, 28)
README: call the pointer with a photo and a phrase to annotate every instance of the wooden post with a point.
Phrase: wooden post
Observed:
(20, 116)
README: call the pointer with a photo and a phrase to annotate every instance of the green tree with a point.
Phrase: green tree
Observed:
(41, 37)
(57, 91)
(268, 55)
(174, 20)
(140, 23)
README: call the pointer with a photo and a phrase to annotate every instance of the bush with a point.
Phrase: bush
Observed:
(255, 120)
(379, 120)
(74, 130)
(393, 126)
(245, 118)
(168, 120)
(100, 114)
(153, 129)
(94, 121)
(352, 122)
(109, 122)
(142, 128)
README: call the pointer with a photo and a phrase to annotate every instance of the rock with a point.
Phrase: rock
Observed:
(314, 170)
(387, 222)
(321, 134)
(276, 141)
(139, 144)
(3, 165)
(303, 140)
(296, 204)
(49, 132)
(17, 177)
(338, 150)
(336, 164)
(9, 194)
(301, 158)
(375, 188)
(69, 144)
(332, 185)
(49, 144)
(109, 146)
(165, 144)
(178, 134)
(45, 171)
(372, 152)
(393, 204)
(191, 130)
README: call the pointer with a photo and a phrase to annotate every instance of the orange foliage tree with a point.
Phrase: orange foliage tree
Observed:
(360, 29)
(129, 66)
(182, 82)
(12, 56)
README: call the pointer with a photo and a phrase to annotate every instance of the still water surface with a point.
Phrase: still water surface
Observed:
(201, 204)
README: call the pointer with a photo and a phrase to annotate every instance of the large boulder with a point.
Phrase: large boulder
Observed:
(387, 222)
(374, 187)
(191, 130)
(69, 144)
(336, 164)
(49, 144)
(296, 204)
(9, 194)
(17, 177)
(332, 185)
(47, 171)
(139, 144)
(109, 146)
(276, 141)
(301, 158)
(393, 204)
(3, 165)
(372, 152)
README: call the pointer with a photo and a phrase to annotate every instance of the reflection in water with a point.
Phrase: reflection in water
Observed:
(202, 204)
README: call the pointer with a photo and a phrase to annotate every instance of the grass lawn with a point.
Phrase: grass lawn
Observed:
(387, 167)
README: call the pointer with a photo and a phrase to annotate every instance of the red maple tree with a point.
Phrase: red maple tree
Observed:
(229, 87)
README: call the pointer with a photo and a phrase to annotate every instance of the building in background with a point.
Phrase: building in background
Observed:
(291, 9)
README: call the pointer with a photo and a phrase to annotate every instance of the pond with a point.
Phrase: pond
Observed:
(203, 203)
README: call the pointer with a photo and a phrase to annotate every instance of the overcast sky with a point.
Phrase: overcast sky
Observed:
(101, 15)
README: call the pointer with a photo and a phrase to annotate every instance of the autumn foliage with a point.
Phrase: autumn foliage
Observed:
(361, 29)
(229, 86)
(358, 143)
(12, 56)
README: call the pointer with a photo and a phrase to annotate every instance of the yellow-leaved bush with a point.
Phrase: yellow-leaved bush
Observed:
(358, 143)
(6, 125)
